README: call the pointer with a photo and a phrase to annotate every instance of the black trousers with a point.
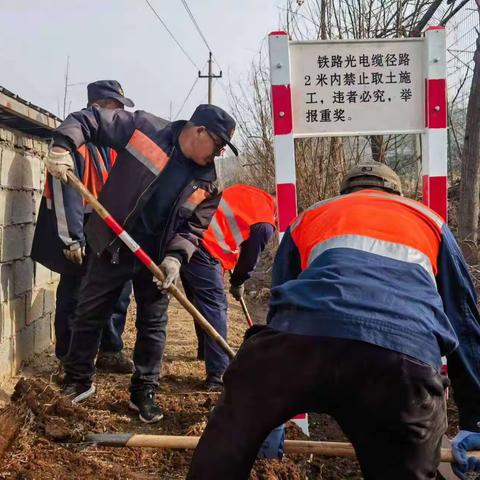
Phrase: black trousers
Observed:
(66, 301)
(202, 280)
(391, 406)
(100, 290)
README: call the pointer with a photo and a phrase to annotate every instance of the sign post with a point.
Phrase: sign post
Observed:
(359, 87)
(434, 139)
(283, 147)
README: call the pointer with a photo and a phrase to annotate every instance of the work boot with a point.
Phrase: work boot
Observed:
(114, 362)
(143, 402)
(78, 392)
(213, 383)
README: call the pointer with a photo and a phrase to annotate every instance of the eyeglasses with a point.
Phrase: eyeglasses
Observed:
(220, 145)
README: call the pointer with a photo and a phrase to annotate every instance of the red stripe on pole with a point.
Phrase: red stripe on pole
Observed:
(282, 109)
(113, 224)
(426, 103)
(139, 253)
(435, 27)
(438, 195)
(425, 190)
(280, 32)
(287, 204)
(300, 416)
(436, 103)
(143, 257)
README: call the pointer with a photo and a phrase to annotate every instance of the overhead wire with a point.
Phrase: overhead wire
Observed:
(171, 34)
(186, 98)
(199, 30)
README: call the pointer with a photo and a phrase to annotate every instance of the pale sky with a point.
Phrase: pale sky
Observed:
(123, 40)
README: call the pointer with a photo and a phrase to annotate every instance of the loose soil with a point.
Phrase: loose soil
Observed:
(48, 428)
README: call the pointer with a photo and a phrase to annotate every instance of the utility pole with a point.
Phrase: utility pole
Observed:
(209, 76)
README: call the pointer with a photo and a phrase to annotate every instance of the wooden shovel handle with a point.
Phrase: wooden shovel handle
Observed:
(327, 449)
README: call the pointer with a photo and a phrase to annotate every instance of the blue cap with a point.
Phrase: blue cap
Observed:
(217, 121)
(103, 89)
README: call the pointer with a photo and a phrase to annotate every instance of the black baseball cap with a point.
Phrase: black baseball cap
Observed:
(103, 89)
(217, 121)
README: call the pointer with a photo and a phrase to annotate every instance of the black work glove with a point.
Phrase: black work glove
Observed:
(237, 291)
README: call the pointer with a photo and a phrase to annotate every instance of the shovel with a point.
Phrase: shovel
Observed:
(248, 318)
(327, 449)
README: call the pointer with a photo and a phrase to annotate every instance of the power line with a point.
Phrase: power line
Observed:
(186, 98)
(171, 34)
(187, 8)
(197, 26)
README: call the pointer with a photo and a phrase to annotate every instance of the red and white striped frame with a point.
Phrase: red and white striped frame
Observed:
(434, 144)
(282, 120)
(283, 146)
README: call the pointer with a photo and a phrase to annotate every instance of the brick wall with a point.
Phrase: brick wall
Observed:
(27, 290)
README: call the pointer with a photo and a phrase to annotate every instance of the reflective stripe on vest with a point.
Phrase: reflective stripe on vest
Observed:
(232, 223)
(224, 207)
(146, 151)
(219, 237)
(195, 199)
(61, 217)
(395, 251)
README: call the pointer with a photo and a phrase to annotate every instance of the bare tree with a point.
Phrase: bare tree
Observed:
(468, 207)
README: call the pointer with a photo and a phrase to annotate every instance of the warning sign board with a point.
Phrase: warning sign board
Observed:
(358, 87)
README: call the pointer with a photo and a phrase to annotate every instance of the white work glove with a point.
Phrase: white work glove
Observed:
(171, 268)
(75, 255)
(59, 163)
(237, 291)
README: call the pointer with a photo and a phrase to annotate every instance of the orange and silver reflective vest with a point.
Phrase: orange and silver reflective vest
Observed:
(373, 222)
(378, 268)
(241, 207)
(63, 211)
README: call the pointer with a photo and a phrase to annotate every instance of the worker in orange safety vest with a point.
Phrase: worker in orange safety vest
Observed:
(60, 243)
(237, 235)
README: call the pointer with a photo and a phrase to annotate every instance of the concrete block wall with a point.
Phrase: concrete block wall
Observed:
(27, 289)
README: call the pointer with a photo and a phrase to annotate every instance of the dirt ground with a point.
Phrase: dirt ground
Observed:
(46, 446)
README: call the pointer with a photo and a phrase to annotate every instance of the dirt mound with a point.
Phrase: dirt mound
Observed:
(50, 445)
(54, 415)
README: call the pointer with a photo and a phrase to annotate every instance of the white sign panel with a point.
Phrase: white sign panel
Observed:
(358, 87)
